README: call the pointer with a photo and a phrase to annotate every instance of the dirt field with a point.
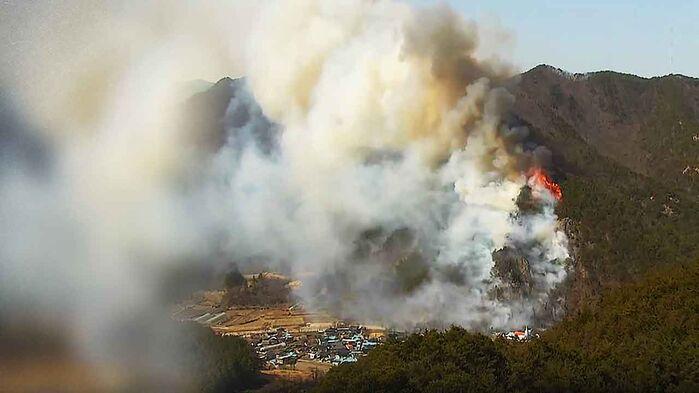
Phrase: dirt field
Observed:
(304, 370)
(257, 320)
(244, 317)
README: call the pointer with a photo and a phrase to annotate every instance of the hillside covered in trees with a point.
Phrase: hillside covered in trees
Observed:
(640, 337)
(625, 150)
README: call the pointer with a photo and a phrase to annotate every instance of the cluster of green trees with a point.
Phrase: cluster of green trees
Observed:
(216, 363)
(628, 224)
(640, 337)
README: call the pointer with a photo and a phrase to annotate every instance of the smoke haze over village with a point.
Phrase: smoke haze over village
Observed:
(366, 148)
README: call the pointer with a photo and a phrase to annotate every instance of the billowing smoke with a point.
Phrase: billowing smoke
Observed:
(373, 160)
(394, 178)
(95, 216)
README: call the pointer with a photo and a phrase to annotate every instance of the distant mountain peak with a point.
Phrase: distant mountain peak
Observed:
(545, 69)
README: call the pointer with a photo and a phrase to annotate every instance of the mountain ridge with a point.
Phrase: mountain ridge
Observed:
(621, 145)
(646, 125)
(587, 73)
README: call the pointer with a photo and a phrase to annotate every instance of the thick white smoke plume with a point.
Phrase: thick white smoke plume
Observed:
(388, 179)
(390, 128)
(94, 167)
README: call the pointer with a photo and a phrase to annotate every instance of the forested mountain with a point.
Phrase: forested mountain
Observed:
(641, 337)
(626, 151)
(649, 126)
(624, 148)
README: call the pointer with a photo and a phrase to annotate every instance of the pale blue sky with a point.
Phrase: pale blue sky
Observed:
(642, 37)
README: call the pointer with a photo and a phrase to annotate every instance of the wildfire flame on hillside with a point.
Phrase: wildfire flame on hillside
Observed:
(538, 176)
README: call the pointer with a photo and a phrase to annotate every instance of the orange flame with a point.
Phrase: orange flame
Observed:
(539, 177)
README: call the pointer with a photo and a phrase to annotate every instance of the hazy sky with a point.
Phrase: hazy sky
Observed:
(643, 37)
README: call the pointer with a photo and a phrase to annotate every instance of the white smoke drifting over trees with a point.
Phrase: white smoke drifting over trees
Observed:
(389, 175)
(390, 126)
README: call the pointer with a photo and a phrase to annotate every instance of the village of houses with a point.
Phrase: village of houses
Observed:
(291, 339)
